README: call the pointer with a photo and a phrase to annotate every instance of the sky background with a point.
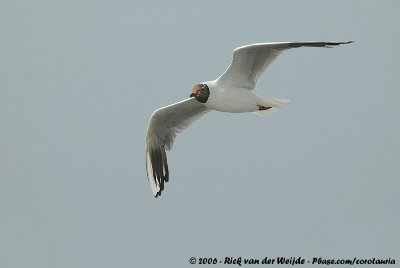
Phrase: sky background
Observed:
(80, 79)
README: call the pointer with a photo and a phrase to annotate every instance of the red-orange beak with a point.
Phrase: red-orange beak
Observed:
(193, 94)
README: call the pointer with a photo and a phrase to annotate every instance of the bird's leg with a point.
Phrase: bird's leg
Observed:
(261, 108)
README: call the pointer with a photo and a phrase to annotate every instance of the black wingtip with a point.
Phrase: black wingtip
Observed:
(159, 164)
(340, 43)
(328, 44)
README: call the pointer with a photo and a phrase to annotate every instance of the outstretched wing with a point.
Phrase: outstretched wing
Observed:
(165, 123)
(249, 62)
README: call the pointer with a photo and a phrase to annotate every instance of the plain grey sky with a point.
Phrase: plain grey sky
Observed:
(80, 79)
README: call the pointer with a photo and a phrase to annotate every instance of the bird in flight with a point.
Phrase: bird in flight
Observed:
(232, 92)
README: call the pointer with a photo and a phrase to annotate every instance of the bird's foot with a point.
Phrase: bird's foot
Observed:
(262, 108)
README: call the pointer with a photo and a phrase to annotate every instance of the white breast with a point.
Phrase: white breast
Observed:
(233, 100)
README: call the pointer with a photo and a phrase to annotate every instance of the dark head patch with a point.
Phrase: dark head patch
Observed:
(203, 93)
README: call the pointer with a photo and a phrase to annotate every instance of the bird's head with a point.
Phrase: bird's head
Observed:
(201, 92)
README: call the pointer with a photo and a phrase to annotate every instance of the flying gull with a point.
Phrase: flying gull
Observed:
(232, 92)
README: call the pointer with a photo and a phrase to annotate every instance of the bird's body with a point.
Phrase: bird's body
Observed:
(230, 99)
(232, 92)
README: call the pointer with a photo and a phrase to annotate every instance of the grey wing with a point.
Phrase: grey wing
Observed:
(165, 123)
(249, 62)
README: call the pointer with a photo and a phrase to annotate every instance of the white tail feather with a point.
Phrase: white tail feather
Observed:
(270, 102)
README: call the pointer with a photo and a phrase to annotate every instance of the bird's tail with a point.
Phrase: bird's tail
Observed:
(275, 104)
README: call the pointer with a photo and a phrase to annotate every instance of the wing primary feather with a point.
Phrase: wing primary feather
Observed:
(165, 162)
(158, 167)
(151, 175)
(316, 44)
